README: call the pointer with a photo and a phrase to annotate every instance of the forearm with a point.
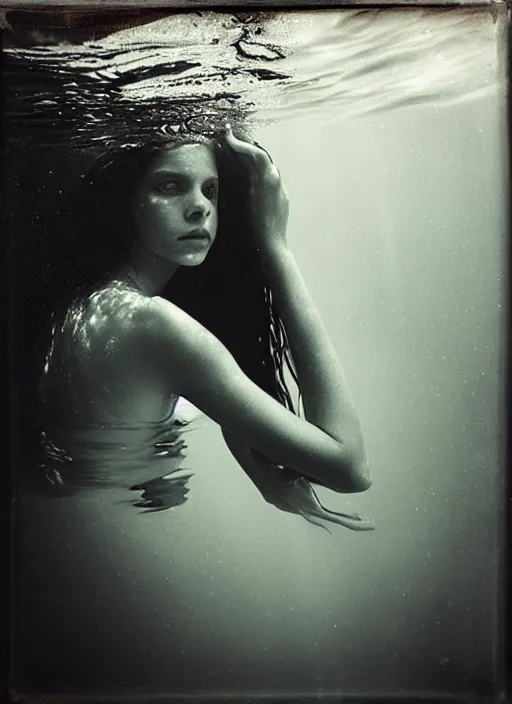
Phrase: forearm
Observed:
(327, 400)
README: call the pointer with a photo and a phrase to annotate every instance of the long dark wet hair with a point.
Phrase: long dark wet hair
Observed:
(87, 239)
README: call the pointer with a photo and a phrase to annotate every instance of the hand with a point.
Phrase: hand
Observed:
(289, 491)
(298, 496)
(269, 200)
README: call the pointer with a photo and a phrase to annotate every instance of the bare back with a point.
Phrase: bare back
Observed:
(91, 373)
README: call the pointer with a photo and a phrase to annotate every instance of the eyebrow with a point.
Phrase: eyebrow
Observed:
(167, 173)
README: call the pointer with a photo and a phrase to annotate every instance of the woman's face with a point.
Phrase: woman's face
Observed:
(175, 204)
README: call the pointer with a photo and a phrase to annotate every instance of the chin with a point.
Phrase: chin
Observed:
(193, 259)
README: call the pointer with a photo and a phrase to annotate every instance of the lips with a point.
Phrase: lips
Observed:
(199, 234)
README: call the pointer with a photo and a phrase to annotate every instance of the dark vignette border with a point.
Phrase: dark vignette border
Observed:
(33, 12)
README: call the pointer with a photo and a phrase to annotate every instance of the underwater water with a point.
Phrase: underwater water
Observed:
(398, 225)
(204, 68)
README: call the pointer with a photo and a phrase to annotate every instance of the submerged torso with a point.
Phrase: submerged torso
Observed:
(159, 573)
(101, 404)
(170, 570)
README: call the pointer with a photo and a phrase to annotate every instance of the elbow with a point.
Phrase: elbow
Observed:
(353, 477)
(362, 481)
(359, 470)
(359, 467)
(356, 481)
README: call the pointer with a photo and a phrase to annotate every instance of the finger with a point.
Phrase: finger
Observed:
(319, 504)
(264, 150)
(253, 151)
(240, 146)
(352, 521)
(310, 519)
(341, 519)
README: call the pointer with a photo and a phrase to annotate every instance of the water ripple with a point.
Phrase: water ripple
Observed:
(195, 71)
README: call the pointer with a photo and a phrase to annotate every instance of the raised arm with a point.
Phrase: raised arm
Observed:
(197, 366)
(326, 397)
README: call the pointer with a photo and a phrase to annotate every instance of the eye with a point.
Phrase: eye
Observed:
(168, 187)
(211, 190)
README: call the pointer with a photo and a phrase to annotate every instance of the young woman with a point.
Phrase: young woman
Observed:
(174, 279)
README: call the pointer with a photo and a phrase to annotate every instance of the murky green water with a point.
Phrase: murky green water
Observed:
(397, 221)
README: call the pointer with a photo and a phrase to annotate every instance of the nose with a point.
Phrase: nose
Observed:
(198, 208)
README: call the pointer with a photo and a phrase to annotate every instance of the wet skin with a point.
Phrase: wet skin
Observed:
(90, 374)
(175, 198)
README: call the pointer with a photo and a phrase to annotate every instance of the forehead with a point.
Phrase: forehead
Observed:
(189, 159)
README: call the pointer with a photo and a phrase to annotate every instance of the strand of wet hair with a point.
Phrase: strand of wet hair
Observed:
(280, 351)
(277, 349)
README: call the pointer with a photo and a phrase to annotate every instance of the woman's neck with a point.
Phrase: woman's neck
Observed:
(149, 272)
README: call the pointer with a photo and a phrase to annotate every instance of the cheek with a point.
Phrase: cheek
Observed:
(215, 216)
(154, 217)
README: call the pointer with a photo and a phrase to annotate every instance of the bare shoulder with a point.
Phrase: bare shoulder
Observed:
(107, 319)
(175, 334)
(169, 322)
(155, 338)
(123, 322)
